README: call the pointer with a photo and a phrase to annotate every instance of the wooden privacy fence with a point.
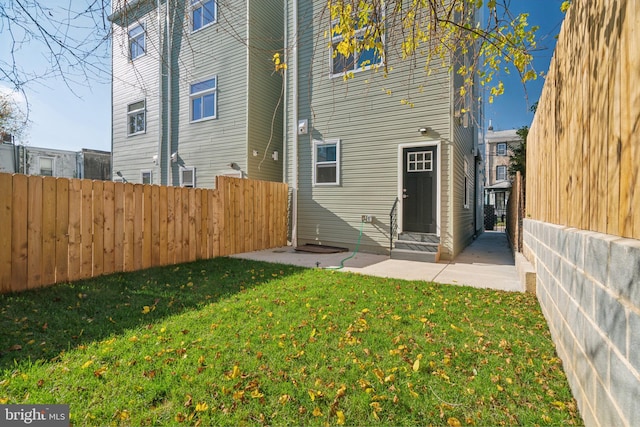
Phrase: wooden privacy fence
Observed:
(57, 229)
(515, 213)
(583, 150)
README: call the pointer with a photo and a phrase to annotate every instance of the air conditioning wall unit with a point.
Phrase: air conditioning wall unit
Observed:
(188, 176)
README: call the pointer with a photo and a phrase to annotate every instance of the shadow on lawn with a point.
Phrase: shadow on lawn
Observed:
(40, 324)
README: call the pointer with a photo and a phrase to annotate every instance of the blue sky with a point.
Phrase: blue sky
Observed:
(68, 117)
(511, 110)
(72, 121)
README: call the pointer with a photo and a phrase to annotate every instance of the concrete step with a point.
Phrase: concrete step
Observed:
(419, 237)
(419, 256)
(417, 246)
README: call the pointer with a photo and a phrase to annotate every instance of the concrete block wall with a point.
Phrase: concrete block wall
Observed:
(588, 285)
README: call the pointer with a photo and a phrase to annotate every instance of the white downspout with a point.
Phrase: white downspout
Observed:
(169, 31)
(294, 172)
(160, 97)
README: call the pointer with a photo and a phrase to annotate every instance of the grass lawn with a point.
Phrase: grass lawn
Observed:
(237, 342)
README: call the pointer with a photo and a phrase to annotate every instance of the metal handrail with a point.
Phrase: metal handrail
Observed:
(393, 223)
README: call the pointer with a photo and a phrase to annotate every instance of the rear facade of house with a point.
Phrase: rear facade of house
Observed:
(498, 148)
(394, 149)
(194, 94)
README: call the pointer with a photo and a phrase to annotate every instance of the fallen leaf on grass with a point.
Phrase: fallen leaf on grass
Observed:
(201, 407)
(98, 373)
(284, 399)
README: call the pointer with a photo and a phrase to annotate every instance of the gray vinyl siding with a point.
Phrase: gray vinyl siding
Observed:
(246, 94)
(463, 130)
(463, 218)
(370, 124)
(211, 145)
(134, 81)
(265, 106)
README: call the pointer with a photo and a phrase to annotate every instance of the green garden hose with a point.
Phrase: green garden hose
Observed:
(355, 251)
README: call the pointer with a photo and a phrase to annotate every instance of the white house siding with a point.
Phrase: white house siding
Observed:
(220, 50)
(371, 125)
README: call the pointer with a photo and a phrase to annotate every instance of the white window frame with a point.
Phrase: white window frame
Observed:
(135, 113)
(337, 38)
(200, 95)
(148, 172)
(135, 39)
(199, 4)
(501, 149)
(498, 169)
(182, 171)
(53, 165)
(316, 163)
(415, 164)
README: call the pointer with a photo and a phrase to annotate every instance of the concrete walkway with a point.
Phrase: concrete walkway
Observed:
(486, 263)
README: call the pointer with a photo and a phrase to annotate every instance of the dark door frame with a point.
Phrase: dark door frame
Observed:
(429, 143)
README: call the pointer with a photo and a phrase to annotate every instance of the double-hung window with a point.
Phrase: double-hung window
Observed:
(203, 99)
(365, 55)
(326, 162)
(501, 149)
(203, 13)
(136, 113)
(501, 173)
(136, 42)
